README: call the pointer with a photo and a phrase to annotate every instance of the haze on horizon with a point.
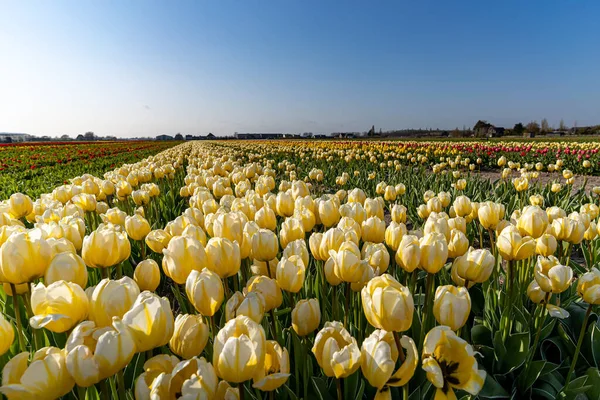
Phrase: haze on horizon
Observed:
(143, 68)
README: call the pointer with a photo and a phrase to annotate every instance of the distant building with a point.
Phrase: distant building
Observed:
(164, 137)
(238, 135)
(7, 137)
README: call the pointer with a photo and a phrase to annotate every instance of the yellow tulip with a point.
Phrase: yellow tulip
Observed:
(535, 293)
(451, 306)
(387, 304)
(306, 316)
(268, 288)
(190, 336)
(112, 298)
(7, 335)
(205, 291)
(297, 248)
(252, 306)
(374, 208)
(150, 320)
(266, 218)
(20, 205)
(137, 227)
(290, 274)
(140, 197)
(568, 230)
(532, 222)
(58, 307)
(390, 193)
(96, 353)
(336, 351)
(204, 383)
(379, 357)
(224, 257)
(490, 214)
(442, 347)
(182, 256)
(276, 369)
(105, 247)
(398, 213)
(373, 230)
(588, 286)
(462, 206)
(475, 265)
(157, 240)
(69, 267)
(458, 244)
(408, 255)
(434, 252)
(592, 232)
(24, 257)
(394, 234)
(347, 262)
(46, 377)
(147, 275)
(355, 211)
(458, 223)
(512, 246)
(356, 195)
(329, 213)
(546, 245)
(291, 229)
(264, 245)
(239, 350)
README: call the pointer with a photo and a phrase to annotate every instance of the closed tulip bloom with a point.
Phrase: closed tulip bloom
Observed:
(268, 288)
(306, 316)
(252, 306)
(329, 213)
(291, 229)
(398, 213)
(390, 193)
(512, 246)
(379, 356)
(394, 234)
(314, 244)
(535, 293)
(203, 384)
(336, 351)
(45, 377)
(157, 240)
(190, 336)
(490, 214)
(451, 306)
(137, 227)
(239, 350)
(555, 212)
(24, 257)
(58, 307)
(374, 208)
(290, 274)
(96, 353)
(387, 304)
(434, 252)
(546, 245)
(588, 286)
(229, 226)
(69, 267)
(7, 335)
(592, 232)
(150, 320)
(205, 291)
(408, 255)
(276, 369)
(533, 222)
(551, 275)
(329, 269)
(266, 218)
(182, 255)
(434, 205)
(105, 247)
(568, 230)
(264, 245)
(297, 248)
(458, 223)
(112, 298)
(442, 347)
(437, 223)
(355, 211)
(147, 275)
(475, 265)
(377, 256)
(458, 244)
(332, 239)
(140, 197)
(347, 262)
(20, 205)
(223, 257)
(373, 230)
(462, 206)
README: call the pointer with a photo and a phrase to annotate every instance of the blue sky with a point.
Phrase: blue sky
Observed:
(131, 68)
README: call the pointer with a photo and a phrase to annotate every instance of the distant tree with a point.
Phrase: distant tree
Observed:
(179, 136)
(65, 137)
(533, 127)
(518, 129)
(89, 136)
(561, 126)
(80, 137)
(545, 126)
(456, 133)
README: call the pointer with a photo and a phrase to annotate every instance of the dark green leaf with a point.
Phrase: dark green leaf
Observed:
(492, 389)
(321, 388)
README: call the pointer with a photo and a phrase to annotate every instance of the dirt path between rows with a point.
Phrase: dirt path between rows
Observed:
(547, 177)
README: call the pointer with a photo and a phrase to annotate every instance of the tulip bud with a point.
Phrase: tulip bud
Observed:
(24, 257)
(374, 208)
(398, 213)
(284, 204)
(264, 245)
(137, 227)
(434, 252)
(408, 255)
(183, 255)
(205, 291)
(69, 267)
(329, 213)
(396, 313)
(7, 335)
(158, 240)
(147, 275)
(451, 306)
(150, 320)
(105, 247)
(224, 256)
(462, 206)
(290, 274)
(190, 336)
(394, 234)
(306, 316)
(266, 218)
(490, 214)
(112, 298)
(458, 244)
(340, 360)
(373, 230)
(20, 205)
(588, 287)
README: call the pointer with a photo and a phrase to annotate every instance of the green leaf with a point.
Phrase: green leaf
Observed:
(577, 385)
(321, 388)
(482, 335)
(533, 373)
(593, 380)
(595, 341)
(515, 352)
(492, 389)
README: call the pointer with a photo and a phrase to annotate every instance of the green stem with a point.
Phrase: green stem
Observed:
(105, 390)
(338, 383)
(34, 332)
(241, 390)
(274, 325)
(81, 392)
(15, 300)
(538, 334)
(405, 392)
(121, 385)
(346, 309)
(426, 306)
(104, 273)
(578, 348)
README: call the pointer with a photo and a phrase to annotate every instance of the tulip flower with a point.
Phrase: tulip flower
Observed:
(112, 298)
(24, 257)
(190, 336)
(462, 206)
(451, 306)
(96, 353)
(223, 257)
(182, 255)
(387, 304)
(205, 291)
(551, 276)
(290, 274)
(268, 288)
(105, 247)
(512, 246)
(276, 369)
(568, 230)
(45, 377)
(157, 240)
(239, 350)
(398, 214)
(69, 267)
(373, 230)
(394, 234)
(434, 252)
(449, 363)
(264, 245)
(546, 245)
(252, 305)
(588, 286)
(147, 275)
(266, 218)
(490, 214)
(150, 320)
(306, 316)
(475, 265)
(408, 255)
(374, 208)
(297, 248)
(204, 383)
(58, 307)
(347, 262)
(532, 222)
(379, 356)
(284, 204)
(336, 351)
(291, 229)
(7, 335)
(458, 244)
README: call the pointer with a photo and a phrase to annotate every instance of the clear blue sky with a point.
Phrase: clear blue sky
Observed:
(131, 68)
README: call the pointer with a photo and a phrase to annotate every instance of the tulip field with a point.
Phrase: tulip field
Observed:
(305, 270)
